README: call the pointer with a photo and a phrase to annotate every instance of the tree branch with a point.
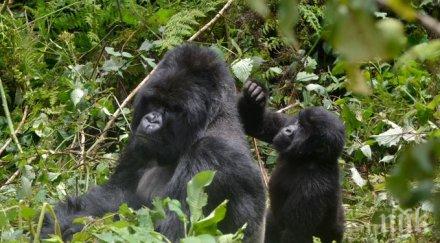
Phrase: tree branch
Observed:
(213, 20)
(430, 23)
(427, 21)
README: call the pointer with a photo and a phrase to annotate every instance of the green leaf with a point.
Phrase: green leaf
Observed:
(425, 52)
(108, 237)
(366, 150)
(317, 88)
(242, 68)
(233, 238)
(144, 219)
(350, 120)
(411, 181)
(310, 64)
(259, 6)
(174, 205)
(111, 51)
(306, 77)
(113, 64)
(392, 36)
(208, 225)
(196, 197)
(146, 45)
(76, 95)
(26, 186)
(199, 239)
(393, 135)
(288, 17)
(276, 70)
(352, 31)
(403, 9)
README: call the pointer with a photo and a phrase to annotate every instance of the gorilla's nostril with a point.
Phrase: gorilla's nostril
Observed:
(288, 131)
(153, 117)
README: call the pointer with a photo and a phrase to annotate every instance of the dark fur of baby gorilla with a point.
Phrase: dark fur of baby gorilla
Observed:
(304, 188)
(185, 120)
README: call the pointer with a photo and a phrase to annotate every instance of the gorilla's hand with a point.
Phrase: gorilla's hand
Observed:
(254, 93)
(65, 212)
(67, 231)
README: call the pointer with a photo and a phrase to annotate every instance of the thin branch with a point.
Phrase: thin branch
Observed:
(49, 14)
(135, 90)
(9, 140)
(260, 164)
(10, 180)
(427, 21)
(288, 107)
(82, 143)
(8, 116)
(3, 7)
(17, 172)
(210, 23)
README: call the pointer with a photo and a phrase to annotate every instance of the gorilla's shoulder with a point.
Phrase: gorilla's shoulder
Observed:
(194, 58)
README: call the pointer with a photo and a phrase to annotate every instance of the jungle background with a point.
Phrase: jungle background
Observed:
(68, 66)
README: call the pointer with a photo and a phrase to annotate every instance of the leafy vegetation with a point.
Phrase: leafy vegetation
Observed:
(67, 65)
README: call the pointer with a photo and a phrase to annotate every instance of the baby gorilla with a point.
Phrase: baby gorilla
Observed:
(304, 188)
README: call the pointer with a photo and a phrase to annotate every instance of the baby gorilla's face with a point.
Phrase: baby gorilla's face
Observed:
(283, 140)
(315, 132)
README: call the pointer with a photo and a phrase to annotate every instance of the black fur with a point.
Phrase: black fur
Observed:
(304, 189)
(185, 121)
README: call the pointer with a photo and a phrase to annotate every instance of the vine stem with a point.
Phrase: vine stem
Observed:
(23, 119)
(130, 96)
(260, 164)
(8, 116)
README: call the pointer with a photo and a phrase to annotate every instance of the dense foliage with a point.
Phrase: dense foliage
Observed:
(66, 66)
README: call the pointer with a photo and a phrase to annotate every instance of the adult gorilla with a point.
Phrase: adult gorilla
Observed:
(185, 121)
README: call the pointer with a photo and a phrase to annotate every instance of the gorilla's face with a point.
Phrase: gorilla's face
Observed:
(169, 115)
(181, 98)
(314, 133)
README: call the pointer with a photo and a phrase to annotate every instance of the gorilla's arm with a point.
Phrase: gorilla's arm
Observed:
(235, 179)
(120, 188)
(258, 121)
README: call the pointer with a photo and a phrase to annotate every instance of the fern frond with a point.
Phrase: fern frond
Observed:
(311, 16)
(180, 26)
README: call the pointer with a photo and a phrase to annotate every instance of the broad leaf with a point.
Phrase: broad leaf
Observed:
(306, 77)
(357, 178)
(199, 239)
(366, 150)
(196, 197)
(242, 69)
(425, 52)
(208, 225)
(76, 95)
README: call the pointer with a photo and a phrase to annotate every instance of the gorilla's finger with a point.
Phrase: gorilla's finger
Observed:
(252, 87)
(260, 97)
(256, 92)
(246, 85)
